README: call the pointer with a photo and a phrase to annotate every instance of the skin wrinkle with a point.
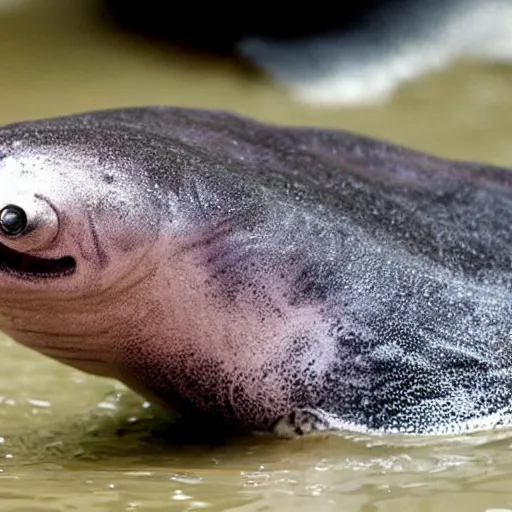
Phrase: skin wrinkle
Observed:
(101, 255)
(67, 335)
(84, 299)
(50, 243)
(91, 341)
(260, 277)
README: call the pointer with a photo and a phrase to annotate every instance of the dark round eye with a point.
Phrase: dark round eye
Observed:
(13, 220)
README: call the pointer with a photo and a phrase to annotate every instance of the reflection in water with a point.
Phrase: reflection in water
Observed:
(115, 454)
(69, 441)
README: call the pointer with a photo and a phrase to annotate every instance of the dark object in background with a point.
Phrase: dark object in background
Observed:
(220, 27)
(358, 51)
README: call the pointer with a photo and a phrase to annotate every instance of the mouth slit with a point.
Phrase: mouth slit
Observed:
(26, 265)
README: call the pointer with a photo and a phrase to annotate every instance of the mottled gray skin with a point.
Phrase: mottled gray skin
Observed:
(265, 278)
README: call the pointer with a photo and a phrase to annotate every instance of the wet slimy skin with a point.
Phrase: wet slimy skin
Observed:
(261, 278)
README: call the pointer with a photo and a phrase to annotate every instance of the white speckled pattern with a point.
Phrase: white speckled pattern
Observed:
(263, 278)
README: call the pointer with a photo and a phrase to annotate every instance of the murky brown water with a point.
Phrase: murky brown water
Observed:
(71, 442)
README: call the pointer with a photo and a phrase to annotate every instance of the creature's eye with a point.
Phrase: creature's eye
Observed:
(13, 220)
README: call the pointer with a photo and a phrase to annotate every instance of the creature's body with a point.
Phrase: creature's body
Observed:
(261, 277)
(359, 51)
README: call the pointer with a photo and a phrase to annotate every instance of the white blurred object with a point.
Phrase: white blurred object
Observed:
(394, 45)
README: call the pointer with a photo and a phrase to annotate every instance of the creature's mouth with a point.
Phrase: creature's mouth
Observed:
(26, 265)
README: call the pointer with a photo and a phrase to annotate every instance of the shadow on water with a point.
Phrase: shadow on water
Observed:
(125, 426)
(123, 450)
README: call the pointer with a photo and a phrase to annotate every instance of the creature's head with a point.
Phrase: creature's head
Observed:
(77, 212)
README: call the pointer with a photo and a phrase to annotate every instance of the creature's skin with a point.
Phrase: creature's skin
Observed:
(260, 277)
